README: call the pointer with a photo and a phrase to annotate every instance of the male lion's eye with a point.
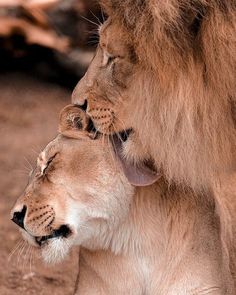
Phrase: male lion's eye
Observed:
(110, 59)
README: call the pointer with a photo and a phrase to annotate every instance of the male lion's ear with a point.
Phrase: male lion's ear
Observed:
(142, 173)
(74, 123)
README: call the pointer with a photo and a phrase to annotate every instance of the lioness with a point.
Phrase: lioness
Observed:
(134, 240)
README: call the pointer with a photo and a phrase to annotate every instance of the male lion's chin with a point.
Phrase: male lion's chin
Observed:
(55, 250)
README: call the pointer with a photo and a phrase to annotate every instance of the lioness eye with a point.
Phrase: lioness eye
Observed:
(49, 162)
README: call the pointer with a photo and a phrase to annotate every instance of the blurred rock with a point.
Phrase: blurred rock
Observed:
(65, 30)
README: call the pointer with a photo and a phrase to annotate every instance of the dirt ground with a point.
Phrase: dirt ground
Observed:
(28, 120)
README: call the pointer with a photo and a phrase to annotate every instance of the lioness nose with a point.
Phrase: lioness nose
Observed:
(18, 217)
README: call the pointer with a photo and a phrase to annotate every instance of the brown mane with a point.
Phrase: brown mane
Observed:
(188, 82)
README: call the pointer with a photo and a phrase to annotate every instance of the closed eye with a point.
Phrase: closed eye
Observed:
(110, 60)
(48, 163)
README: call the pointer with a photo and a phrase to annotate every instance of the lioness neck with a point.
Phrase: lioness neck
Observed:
(159, 216)
(170, 235)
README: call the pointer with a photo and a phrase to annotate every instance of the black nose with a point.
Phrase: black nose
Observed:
(18, 217)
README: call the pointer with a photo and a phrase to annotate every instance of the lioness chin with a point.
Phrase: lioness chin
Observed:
(134, 240)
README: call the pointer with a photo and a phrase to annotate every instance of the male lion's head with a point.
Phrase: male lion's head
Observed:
(166, 69)
(77, 192)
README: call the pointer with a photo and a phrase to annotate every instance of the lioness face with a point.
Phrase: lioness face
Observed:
(105, 89)
(74, 190)
(80, 189)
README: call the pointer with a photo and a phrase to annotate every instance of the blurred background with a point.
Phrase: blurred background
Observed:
(45, 48)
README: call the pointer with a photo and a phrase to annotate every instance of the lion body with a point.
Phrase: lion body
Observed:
(166, 69)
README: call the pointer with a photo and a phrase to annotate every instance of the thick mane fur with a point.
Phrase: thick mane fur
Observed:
(185, 95)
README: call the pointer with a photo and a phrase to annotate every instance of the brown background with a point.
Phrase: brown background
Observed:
(36, 80)
(28, 120)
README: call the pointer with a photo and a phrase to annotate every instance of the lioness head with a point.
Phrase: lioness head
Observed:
(75, 190)
(166, 69)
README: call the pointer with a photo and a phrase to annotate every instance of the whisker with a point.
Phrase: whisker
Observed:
(26, 168)
(103, 139)
(18, 245)
(96, 132)
(93, 38)
(112, 154)
(24, 172)
(95, 17)
(34, 151)
(113, 161)
(123, 124)
(33, 256)
(117, 133)
(30, 258)
(103, 17)
(90, 21)
(25, 257)
(92, 32)
(28, 162)
(20, 252)
(92, 43)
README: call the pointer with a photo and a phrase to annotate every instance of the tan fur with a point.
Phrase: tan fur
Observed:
(172, 80)
(158, 239)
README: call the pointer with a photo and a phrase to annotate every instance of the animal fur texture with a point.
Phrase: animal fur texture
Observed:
(185, 90)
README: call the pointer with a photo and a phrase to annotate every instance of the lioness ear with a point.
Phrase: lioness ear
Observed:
(74, 123)
(138, 174)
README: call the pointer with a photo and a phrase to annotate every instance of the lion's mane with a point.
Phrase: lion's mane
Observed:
(185, 96)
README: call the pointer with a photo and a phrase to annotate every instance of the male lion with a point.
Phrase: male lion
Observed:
(134, 240)
(167, 70)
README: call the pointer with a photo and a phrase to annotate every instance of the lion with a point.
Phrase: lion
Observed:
(166, 70)
(147, 239)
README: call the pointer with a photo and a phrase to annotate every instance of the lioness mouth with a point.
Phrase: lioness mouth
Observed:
(64, 231)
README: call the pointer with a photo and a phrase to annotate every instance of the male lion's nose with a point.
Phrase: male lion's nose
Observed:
(84, 105)
(78, 97)
(18, 217)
